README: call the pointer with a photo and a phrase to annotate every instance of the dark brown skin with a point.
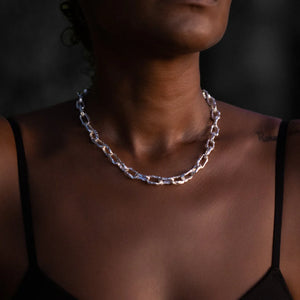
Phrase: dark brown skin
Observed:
(102, 236)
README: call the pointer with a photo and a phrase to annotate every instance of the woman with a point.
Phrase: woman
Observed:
(93, 233)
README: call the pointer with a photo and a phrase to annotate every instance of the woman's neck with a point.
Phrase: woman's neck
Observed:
(146, 102)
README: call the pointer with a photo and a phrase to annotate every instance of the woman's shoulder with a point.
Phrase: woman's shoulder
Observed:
(12, 247)
(240, 123)
(247, 129)
(261, 132)
(40, 131)
(46, 116)
(245, 122)
(43, 129)
(8, 161)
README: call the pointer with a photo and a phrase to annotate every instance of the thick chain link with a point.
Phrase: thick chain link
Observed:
(215, 115)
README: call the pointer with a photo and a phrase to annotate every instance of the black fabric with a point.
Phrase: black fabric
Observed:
(24, 193)
(271, 286)
(36, 285)
(279, 183)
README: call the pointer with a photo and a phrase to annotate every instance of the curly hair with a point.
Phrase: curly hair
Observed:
(78, 32)
(78, 29)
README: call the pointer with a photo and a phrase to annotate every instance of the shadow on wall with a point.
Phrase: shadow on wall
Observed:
(255, 66)
(37, 69)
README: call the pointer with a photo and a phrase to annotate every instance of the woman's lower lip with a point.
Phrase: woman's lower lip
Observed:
(195, 2)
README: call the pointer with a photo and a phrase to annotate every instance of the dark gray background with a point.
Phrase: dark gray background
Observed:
(256, 66)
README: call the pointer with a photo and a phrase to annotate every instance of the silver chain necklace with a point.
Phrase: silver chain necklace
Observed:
(215, 115)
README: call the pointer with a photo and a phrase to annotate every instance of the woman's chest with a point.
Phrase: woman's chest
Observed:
(132, 247)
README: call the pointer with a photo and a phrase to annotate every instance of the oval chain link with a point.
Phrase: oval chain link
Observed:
(215, 116)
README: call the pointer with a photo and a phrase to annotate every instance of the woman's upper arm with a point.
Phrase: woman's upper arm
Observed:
(290, 243)
(12, 256)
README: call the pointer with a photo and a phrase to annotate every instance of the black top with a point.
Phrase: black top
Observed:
(37, 285)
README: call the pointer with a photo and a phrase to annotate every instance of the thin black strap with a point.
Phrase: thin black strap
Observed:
(279, 189)
(24, 193)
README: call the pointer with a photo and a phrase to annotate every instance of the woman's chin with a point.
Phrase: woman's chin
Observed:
(188, 35)
(186, 42)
